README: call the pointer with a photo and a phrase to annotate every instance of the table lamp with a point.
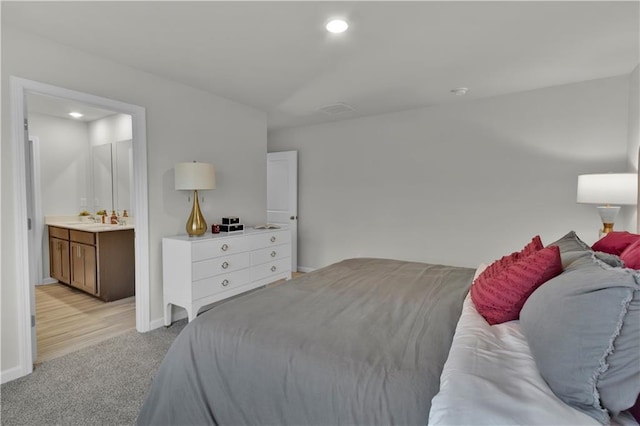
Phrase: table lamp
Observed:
(195, 176)
(609, 191)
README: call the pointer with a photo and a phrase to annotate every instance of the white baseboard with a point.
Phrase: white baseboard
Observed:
(47, 281)
(11, 374)
(159, 322)
(305, 269)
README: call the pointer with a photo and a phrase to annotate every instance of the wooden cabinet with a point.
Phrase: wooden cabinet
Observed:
(83, 267)
(99, 263)
(59, 259)
(200, 271)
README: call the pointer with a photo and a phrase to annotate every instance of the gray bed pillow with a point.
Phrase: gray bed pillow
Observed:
(583, 328)
(609, 259)
(571, 248)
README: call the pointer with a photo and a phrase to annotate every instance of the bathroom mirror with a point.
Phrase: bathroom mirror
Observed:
(102, 178)
(122, 173)
(112, 171)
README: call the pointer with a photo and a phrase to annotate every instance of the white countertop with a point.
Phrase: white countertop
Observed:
(89, 226)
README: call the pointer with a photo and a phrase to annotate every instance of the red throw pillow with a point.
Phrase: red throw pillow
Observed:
(505, 261)
(500, 298)
(631, 256)
(615, 242)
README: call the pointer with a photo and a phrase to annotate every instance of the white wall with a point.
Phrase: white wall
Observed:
(458, 184)
(110, 129)
(64, 159)
(183, 124)
(633, 147)
(64, 169)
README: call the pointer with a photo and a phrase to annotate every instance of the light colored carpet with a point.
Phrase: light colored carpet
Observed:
(101, 385)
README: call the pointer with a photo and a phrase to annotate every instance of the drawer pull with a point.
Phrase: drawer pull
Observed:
(273, 239)
(273, 269)
(225, 265)
(225, 283)
(273, 254)
(224, 247)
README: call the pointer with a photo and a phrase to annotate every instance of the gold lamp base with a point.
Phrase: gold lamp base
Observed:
(196, 225)
(607, 227)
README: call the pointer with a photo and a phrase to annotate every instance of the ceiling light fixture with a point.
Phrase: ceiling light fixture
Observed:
(75, 114)
(460, 91)
(337, 26)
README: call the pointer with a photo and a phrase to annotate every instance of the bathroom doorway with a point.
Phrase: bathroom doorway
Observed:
(20, 90)
(80, 162)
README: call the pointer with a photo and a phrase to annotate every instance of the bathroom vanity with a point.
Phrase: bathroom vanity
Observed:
(98, 259)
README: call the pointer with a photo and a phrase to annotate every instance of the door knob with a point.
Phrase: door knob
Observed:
(293, 217)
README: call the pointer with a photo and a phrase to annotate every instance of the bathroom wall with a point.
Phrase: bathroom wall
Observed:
(110, 129)
(64, 163)
(63, 151)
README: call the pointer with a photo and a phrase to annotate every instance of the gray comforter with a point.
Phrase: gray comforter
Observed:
(362, 341)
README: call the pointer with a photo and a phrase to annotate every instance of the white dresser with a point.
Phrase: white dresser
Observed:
(198, 271)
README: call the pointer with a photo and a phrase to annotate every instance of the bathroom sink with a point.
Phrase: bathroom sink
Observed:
(101, 227)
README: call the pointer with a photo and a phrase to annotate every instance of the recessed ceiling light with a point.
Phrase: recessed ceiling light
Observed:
(460, 91)
(75, 114)
(337, 26)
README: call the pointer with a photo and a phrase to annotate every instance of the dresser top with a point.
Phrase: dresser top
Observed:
(209, 236)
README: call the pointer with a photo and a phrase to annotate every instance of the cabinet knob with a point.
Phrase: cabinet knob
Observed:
(225, 283)
(273, 239)
(273, 254)
(273, 269)
(224, 247)
(225, 265)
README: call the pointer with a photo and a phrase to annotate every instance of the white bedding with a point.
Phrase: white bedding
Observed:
(490, 378)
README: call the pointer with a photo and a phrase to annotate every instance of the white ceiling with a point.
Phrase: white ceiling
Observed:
(61, 108)
(276, 56)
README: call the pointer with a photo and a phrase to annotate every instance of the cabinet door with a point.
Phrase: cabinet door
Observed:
(83, 267)
(59, 260)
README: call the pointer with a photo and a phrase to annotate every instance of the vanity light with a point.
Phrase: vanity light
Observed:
(75, 114)
(337, 26)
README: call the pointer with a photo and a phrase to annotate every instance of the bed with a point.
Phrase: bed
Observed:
(362, 341)
(380, 341)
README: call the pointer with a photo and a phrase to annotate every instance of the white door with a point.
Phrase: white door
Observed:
(282, 195)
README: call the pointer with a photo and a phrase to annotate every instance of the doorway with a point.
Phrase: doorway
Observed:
(78, 161)
(25, 278)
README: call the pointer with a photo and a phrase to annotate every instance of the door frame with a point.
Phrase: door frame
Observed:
(18, 90)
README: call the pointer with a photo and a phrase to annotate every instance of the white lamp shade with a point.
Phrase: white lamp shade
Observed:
(609, 188)
(194, 175)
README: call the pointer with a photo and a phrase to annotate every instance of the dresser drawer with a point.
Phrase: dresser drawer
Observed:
(219, 265)
(269, 239)
(270, 253)
(271, 268)
(218, 247)
(220, 283)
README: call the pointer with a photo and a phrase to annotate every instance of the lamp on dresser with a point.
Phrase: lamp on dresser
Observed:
(609, 191)
(194, 177)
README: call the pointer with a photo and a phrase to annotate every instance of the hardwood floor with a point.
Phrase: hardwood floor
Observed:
(68, 320)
